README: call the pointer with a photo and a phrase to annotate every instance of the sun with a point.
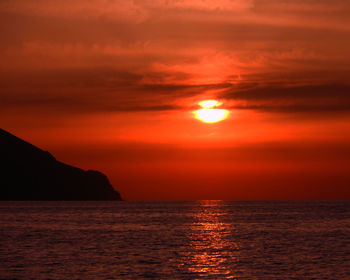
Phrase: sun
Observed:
(210, 114)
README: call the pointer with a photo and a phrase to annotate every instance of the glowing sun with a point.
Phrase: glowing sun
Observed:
(209, 113)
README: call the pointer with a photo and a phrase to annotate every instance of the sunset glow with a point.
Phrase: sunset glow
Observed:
(184, 99)
(175, 139)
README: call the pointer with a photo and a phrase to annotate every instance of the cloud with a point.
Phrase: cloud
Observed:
(122, 10)
(294, 99)
(117, 9)
(276, 56)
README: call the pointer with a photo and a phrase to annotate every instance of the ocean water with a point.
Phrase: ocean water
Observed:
(175, 240)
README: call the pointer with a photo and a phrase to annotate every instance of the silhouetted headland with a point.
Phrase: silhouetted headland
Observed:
(29, 173)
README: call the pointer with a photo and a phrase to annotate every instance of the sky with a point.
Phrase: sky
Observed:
(113, 85)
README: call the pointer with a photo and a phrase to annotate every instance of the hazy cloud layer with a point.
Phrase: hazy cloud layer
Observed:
(278, 56)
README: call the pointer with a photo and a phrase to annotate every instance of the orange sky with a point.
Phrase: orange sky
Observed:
(112, 85)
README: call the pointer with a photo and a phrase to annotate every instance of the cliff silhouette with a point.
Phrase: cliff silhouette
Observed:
(29, 173)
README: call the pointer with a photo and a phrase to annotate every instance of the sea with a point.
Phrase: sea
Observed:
(175, 240)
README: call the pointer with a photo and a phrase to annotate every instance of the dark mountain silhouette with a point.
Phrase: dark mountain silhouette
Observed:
(28, 173)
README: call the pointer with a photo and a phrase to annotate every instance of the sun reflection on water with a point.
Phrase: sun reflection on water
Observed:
(214, 252)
